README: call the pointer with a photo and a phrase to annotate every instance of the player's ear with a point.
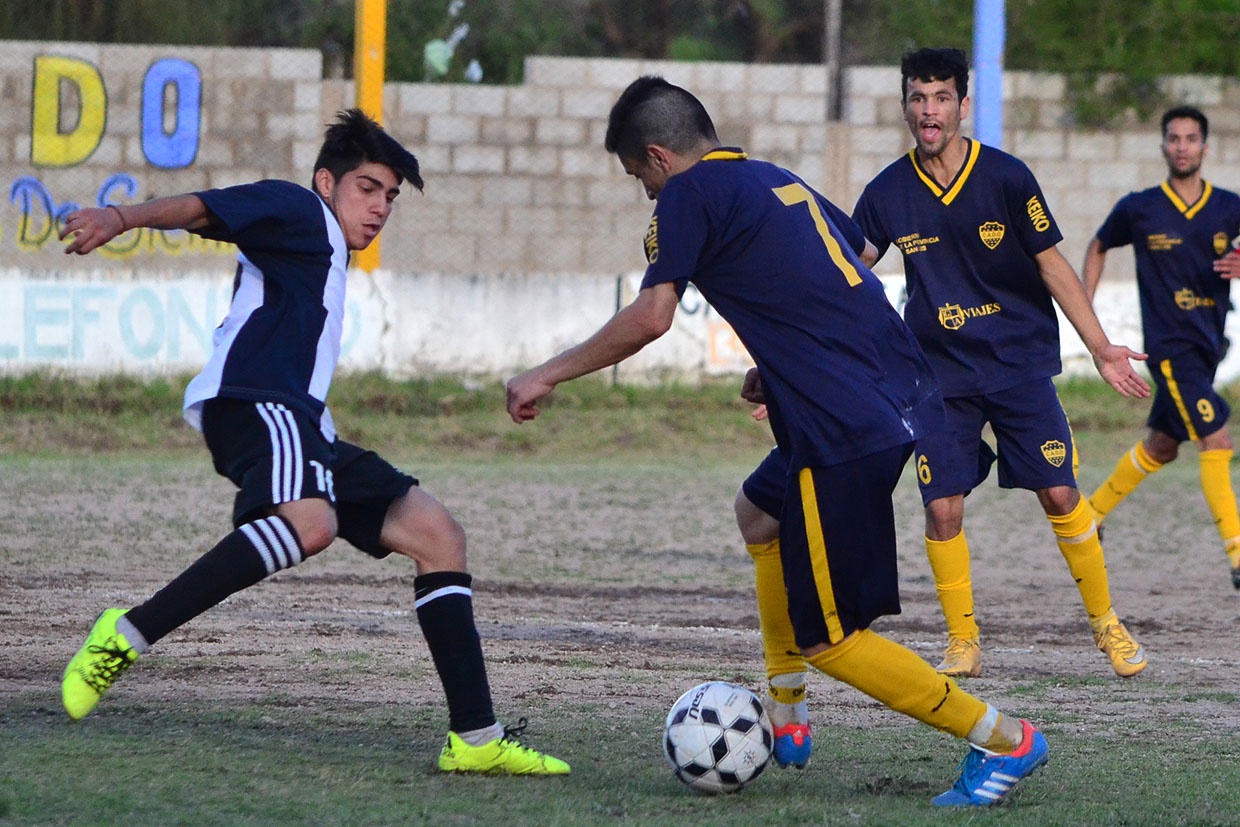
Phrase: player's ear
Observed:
(964, 108)
(659, 158)
(324, 182)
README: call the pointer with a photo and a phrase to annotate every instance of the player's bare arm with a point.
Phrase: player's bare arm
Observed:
(1228, 266)
(646, 319)
(869, 256)
(93, 227)
(1091, 272)
(1111, 360)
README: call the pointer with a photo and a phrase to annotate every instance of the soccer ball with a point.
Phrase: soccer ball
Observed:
(718, 737)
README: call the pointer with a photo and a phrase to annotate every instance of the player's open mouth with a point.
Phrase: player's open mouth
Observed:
(930, 132)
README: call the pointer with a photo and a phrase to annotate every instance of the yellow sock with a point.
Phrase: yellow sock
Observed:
(896, 676)
(779, 645)
(949, 561)
(1078, 541)
(1216, 485)
(1132, 468)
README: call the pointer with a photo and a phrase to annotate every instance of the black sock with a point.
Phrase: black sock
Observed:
(445, 607)
(241, 559)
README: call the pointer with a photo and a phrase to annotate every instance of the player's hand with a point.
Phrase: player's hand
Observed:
(524, 390)
(751, 388)
(760, 413)
(91, 228)
(1228, 266)
(1114, 366)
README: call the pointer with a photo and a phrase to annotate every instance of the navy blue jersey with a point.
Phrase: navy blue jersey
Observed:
(842, 374)
(976, 301)
(1184, 303)
(281, 337)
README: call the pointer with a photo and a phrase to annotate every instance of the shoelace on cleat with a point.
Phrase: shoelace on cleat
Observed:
(958, 647)
(512, 733)
(1118, 641)
(971, 772)
(106, 670)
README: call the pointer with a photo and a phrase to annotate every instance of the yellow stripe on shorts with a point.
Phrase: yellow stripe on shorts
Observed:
(1174, 388)
(818, 556)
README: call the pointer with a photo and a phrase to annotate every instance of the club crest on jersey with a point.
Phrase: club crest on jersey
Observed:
(1055, 452)
(953, 316)
(1221, 243)
(652, 240)
(991, 233)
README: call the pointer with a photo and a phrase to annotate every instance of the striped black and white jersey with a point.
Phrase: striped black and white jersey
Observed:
(281, 338)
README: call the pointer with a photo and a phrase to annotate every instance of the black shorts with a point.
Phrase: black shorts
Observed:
(837, 543)
(1186, 406)
(275, 455)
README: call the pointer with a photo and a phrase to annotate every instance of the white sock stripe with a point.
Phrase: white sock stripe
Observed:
(273, 543)
(1080, 538)
(260, 546)
(443, 592)
(298, 467)
(276, 454)
(286, 536)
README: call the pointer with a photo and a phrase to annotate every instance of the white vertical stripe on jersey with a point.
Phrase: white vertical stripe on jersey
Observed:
(260, 545)
(327, 350)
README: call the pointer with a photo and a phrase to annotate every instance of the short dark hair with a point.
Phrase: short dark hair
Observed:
(355, 139)
(935, 64)
(653, 111)
(1186, 112)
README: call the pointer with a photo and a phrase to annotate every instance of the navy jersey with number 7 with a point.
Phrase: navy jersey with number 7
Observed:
(842, 375)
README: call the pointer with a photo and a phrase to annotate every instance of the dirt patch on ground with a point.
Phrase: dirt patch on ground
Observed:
(613, 588)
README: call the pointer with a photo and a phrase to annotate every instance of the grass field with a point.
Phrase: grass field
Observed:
(608, 580)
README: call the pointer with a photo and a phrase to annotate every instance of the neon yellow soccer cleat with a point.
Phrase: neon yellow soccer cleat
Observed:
(1126, 655)
(963, 658)
(96, 666)
(503, 756)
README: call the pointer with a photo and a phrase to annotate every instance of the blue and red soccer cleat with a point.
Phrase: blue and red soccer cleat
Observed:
(793, 744)
(987, 778)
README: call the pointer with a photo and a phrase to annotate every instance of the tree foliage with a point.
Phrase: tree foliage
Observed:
(1126, 44)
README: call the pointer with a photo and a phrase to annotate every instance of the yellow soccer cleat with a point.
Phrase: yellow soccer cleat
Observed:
(1126, 655)
(962, 659)
(101, 660)
(503, 756)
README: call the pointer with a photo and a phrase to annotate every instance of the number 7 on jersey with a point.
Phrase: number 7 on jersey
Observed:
(793, 194)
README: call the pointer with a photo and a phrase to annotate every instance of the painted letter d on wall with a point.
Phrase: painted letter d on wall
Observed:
(57, 144)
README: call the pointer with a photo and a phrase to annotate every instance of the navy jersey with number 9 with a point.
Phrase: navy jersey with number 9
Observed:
(842, 375)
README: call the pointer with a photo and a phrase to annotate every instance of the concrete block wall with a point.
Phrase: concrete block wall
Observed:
(517, 179)
(259, 117)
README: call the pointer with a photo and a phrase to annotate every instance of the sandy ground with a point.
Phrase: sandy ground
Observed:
(617, 586)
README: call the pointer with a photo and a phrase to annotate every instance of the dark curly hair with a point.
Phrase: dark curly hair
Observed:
(935, 64)
(355, 139)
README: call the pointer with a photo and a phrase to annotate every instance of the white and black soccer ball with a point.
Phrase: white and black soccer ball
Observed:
(717, 737)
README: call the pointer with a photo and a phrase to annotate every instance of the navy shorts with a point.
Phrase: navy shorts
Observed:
(1186, 406)
(275, 455)
(837, 543)
(1033, 437)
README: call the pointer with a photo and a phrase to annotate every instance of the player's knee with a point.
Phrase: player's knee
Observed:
(756, 526)
(435, 543)
(1059, 499)
(1162, 448)
(944, 518)
(316, 529)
